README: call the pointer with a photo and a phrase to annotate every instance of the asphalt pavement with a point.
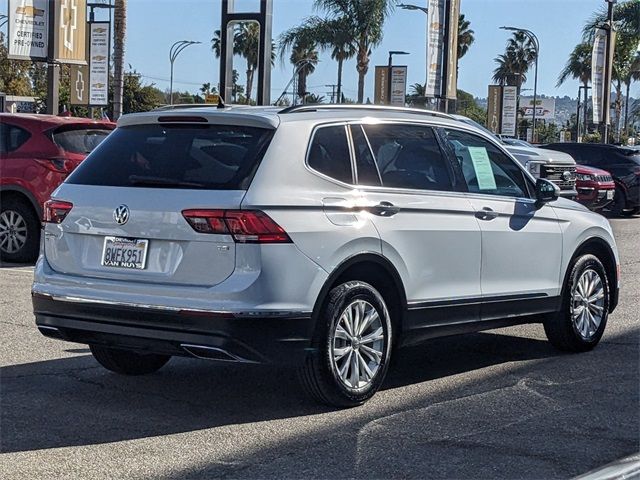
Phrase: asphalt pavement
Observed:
(497, 404)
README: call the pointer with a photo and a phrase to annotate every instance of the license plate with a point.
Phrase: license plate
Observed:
(124, 252)
(610, 194)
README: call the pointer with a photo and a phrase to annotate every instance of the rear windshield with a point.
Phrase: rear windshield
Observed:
(80, 140)
(217, 157)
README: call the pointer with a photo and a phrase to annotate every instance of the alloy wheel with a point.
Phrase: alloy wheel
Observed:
(13, 231)
(587, 304)
(357, 346)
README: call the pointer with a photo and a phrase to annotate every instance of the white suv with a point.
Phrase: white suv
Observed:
(320, 237)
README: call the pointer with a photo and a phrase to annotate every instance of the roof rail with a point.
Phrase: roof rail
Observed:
(185, 105)
(377, 108)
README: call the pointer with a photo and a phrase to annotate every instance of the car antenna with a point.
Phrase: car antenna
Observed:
(220, 102)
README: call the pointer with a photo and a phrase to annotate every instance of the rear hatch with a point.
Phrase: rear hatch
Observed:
(126, 221)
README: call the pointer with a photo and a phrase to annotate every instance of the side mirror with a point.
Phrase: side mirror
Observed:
(546, 192)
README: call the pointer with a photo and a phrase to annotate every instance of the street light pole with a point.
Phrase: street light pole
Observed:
(406, 6)
(174, 51)
(536, 43)
(390, 71)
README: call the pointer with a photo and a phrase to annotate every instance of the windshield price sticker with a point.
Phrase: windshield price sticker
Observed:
(482, 167)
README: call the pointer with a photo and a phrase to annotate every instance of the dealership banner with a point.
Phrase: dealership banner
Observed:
(509, 102)
(70, 31)
(545, 108)
(598, 65)
(452, 46)
(494, 108)
(99, 63)
(28, 29)
(381, 88)
(79, 85)
(398, 86)
(435, 46)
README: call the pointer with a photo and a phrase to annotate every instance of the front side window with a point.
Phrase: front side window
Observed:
(329, 153)
(486, 169)
(408, 156)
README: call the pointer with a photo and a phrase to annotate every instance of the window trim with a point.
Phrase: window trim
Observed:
(529, 185)
(355, 159)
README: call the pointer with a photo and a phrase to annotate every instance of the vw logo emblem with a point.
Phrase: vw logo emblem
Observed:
(121, 214)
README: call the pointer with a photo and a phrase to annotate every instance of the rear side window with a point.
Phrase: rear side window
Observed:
(78, 139)
(217, 157)
(408, 156)
(12, 137)
(329, 153)
(366, 168)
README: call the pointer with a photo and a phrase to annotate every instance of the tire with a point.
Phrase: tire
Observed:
(363, 371)
(19, 232)
(581, 334)
(126, 362)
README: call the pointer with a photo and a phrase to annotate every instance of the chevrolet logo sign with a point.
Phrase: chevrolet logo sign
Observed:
(30, 11)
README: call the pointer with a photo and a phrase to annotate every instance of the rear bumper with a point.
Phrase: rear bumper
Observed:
(280, 337)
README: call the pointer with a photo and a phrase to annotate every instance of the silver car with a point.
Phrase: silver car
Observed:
(318, 237)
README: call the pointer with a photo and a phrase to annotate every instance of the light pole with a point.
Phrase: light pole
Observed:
(174, 51)
(390, 70)
(534, 39)
(406, 6)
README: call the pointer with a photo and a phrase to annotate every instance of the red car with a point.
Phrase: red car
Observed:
(37, 152)
(595, 187)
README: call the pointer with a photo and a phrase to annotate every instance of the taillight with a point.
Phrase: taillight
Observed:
(246, 226)
(55, 211)
(57, 164)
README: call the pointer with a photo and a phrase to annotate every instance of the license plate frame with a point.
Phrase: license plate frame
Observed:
(610, 194)
(138, 247)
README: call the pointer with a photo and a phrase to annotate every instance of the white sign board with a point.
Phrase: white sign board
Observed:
(398, 86)
(509, 102)
(597, 72)
(545, 108)
(28, 29)
(99, 63)
(435, 45)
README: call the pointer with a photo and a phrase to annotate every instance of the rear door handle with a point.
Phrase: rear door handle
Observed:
(384, 209)
(486, 214)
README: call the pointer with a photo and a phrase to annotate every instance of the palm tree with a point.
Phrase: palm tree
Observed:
(466, 36)
(633, 74)
(514, 63)
(364, 20)
(305, 55)
(119, 31)
(578, 66)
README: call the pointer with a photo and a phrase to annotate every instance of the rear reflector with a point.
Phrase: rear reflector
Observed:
(246, 226)
(56, 210)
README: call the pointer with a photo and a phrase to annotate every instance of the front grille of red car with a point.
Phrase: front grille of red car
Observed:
(604, 178)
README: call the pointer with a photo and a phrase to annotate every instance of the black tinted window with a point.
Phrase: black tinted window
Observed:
(329, 153)
(485, 168)
(79, 140)
(408, 156)
(175, 156)
(12, 137)
(366, 169)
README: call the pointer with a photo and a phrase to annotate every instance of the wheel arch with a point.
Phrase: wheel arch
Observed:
(15, 191)
(380, 273)
(602, 250)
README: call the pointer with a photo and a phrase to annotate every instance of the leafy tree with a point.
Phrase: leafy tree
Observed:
(466, 105)
(365, 21)
(14, 74)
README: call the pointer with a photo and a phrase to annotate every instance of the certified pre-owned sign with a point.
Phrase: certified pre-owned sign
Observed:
(28, 29)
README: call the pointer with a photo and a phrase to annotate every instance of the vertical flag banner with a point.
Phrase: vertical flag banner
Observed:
(70, 31)
(597, 73)
(509, 100)
(79, 85)
(28, 29)
(435, 45)
(99, 63)
(452, 45)
(381, 86)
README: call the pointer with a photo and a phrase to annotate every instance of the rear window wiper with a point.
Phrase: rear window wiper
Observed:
(162, 182)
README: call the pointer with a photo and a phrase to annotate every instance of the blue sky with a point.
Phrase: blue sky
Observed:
(153, 25)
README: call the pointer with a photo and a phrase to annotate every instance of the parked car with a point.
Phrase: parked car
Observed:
(37, 152)
(596, 187)
(557, 167)
(316, 237)
(623, 163)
